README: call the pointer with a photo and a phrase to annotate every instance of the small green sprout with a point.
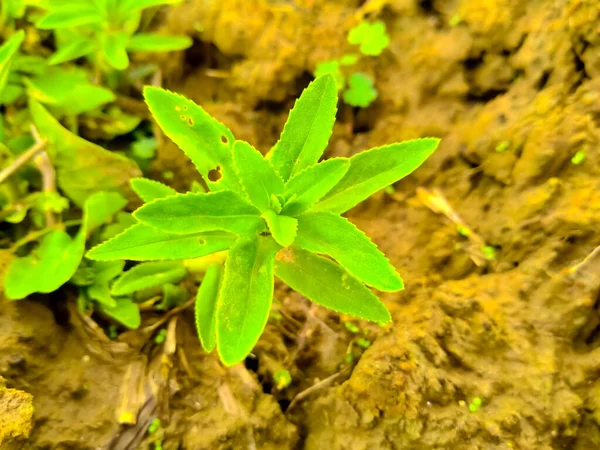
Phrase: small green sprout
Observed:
(154, 426)
(282, 378)
(349, 359)
(502, 146)
(112, 332)
(361, 91)
(349, 59)
(278, 215)
(351, 327)
(463, 231)
(578, 158)
(390, 190)
(161, 337)
(371, 37)
(489, 252)
(332, 68)
(364, 343)
(475, 404)
(455, 20)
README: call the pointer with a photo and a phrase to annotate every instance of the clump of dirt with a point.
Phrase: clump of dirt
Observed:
(494, 355)
(16, 416)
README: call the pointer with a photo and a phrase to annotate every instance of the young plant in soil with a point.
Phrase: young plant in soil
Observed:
(277, 215)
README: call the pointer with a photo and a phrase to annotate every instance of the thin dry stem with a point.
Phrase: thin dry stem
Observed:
(585, 261)
(22, 160)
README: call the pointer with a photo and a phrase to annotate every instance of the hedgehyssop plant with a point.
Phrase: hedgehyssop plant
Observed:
(277, 215)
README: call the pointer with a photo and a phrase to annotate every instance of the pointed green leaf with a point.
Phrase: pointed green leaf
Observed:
(245, 298)
(150, 42)
(193, 213)
(73, 50)
(334, 236)
(100, 208)
(142, 242)
(375, 169)
(258, 178)
(206, 306)
(100, 292)
(74, 15)
(283, 228)
(113, 50)
(126, 312)
(48, 268)
(308, 128)
(327, 284)
(206, 141)
(149, 190)
(106, 271)
(313, 183)
(148, 275)
(82, 168)
(7, 51)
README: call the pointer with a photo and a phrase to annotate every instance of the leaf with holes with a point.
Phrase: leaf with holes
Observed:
(148, 275)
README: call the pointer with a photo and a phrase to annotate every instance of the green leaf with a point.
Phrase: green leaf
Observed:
(332, 68)
(7, 52)
(149, 42)
(12, 9)
(258, 178)
(82, 168)
(308, 128)
(125, 312)
(361, 92)
(206, 306)
(327, 284)
(100, 208)
(283, 228)
(48, 268)
(114, 50)
(193, 213)
(245, 298)
(372, 37)
(313, 183)
(206, 141)
(149, 190)
(375, 169)
(128, 6)
(73, 50)
(332, 235)
(104, 273)
(74, 15)
(141, 242)
(148, 275)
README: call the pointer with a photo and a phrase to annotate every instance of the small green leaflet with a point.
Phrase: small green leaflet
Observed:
(82, 168)
(372, 37)
(332, 68)
(334, 236)
(283, 228)
(148, 42)
(104, 273)
(74, 49)
(7, 51)
(142, 242)
(203, 139)
(361, 91)
(126, 312)
(375, 169)
(149, 190)
(258, 178)
(114, 50)
(58, 255)
(193, 213)
(70, 15)
(327, 284)
(309, 186)
(148, 275)
(308, 128)
(245, 298)
(206, 306)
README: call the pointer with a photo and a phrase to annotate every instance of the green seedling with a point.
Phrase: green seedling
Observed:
(475, 404)
(154, 426)
(364, 343)
(455, 20)
(277, 215)
(502, 146)
(578, 158)
(160, 338)
(372, 39)
(104, 31)
(351, 327)
(489, 252)
(282, 379)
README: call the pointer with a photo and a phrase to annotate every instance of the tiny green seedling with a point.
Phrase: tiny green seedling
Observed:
(282, 378)
(502, 146)
(578, 158)
(104, 31)
(372, 39)
(278, 215)
(475, 404)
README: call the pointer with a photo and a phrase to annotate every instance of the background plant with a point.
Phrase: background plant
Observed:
(277, 215)
(358, 88)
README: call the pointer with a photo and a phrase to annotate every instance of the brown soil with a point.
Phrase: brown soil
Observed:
(517, 332)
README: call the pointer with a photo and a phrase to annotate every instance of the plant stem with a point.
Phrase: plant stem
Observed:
(45, 167)
(587, 259)
(22, 160)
